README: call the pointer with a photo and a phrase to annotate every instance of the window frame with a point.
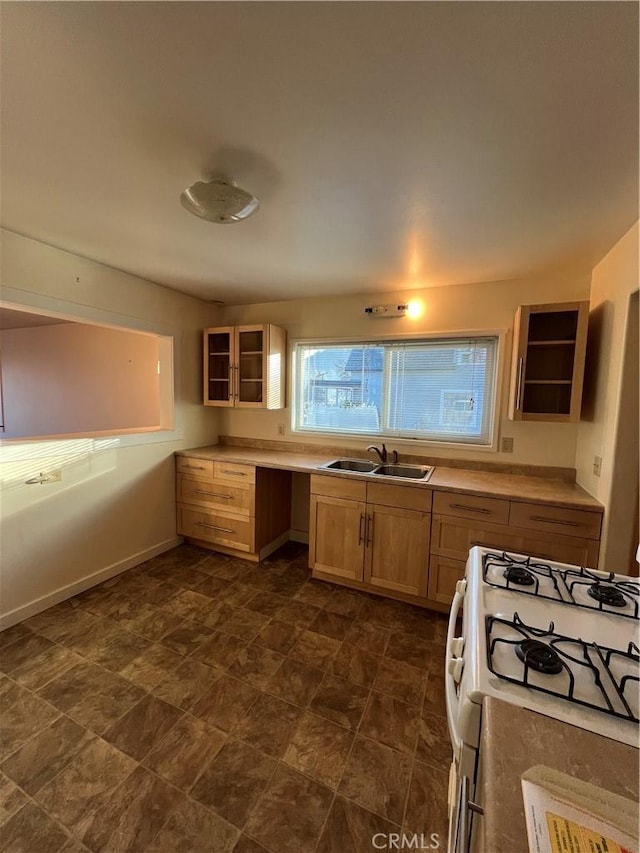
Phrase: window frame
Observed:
(355, 340)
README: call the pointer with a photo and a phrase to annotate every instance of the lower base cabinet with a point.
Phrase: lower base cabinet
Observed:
(237, 509)
(443, 576)
(547, 532)
(397, 552)
(374, 536)
(370, 544)
(337, 538)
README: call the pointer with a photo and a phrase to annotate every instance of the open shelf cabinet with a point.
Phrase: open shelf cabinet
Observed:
(549, 348)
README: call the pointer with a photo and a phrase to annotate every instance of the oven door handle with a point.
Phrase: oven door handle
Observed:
(451, 699)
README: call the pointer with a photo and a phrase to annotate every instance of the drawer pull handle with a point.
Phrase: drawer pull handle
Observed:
(212, 494)
(480, 509)
(361, 532)
(555, 521)
(195, 467)
(235, 473)
(213, 527)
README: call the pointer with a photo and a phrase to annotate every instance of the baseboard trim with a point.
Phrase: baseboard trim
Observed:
(301, 536)
(58, 595)
(273, 545)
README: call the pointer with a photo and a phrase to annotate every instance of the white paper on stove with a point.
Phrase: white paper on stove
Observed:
(566, 815)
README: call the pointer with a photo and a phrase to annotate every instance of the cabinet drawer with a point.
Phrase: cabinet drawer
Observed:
(338, 487)
(471, 506)
(443, 576)
(217, 494)
(232, 531)
(402, 497)
(452, 538)
(234, 472)
(556, 519)
(202, 469)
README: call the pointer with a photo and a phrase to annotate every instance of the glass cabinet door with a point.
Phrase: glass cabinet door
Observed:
(250, 365)
(219, 367)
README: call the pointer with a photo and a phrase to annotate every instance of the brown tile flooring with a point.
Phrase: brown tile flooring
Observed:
(202, 703)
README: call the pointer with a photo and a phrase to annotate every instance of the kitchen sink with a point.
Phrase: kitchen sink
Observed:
(408, 472)
(364, 466)
(360, 466)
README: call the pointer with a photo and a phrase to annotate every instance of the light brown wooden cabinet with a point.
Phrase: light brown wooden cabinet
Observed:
(549, 348)
(549, 532)
(236, 509)
(337, 536)
(244, 366)
(397, 549)
(374, 535)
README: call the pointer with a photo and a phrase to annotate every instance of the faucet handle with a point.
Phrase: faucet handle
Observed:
(395, 457)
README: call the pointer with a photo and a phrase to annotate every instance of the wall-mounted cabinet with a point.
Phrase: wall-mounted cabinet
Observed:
(549, 347)
(244, 366)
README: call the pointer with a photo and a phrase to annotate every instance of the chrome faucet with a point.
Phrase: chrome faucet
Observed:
(381, 453)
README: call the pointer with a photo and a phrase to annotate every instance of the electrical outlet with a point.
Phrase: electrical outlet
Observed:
(281, 429)
(507, 445)
(597, 465)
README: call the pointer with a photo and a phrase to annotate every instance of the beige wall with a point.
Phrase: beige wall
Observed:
(614, 279)
(74, 378)
(115, 507)
(475, 307)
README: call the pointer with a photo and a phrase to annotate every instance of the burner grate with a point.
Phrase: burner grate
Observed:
(522, 574)
(577, 586)
(608, 594)
(560, 666)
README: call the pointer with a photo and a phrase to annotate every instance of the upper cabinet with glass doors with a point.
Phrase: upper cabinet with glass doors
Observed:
(245, 366)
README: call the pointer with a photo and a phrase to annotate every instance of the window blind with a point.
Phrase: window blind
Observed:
(432, 389)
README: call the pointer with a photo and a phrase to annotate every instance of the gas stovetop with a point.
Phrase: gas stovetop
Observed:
(616, 595)
(558, 639)
(586, 673)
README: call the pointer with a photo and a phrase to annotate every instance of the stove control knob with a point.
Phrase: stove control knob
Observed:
(455, 669)
(461, 586)
(457, 645)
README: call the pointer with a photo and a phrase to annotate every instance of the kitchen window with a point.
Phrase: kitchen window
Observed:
(432, 389)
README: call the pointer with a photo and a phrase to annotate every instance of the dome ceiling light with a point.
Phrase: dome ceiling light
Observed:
(218, 201)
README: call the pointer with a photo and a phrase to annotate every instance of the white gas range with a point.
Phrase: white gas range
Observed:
(557, 639)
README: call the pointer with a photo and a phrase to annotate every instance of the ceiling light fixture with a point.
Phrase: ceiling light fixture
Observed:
(218, 201)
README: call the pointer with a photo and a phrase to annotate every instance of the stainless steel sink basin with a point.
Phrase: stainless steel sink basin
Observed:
(407, 472)
(364, 466)
(361, 466)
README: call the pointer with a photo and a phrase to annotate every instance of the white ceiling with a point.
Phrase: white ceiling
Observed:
(392, 145)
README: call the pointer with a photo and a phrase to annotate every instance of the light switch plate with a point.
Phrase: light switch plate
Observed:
(597, 465)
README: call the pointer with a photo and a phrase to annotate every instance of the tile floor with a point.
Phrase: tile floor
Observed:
(202, 703)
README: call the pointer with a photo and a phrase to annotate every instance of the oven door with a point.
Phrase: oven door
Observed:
(453, 672)
(461, 805)
(458, 824)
